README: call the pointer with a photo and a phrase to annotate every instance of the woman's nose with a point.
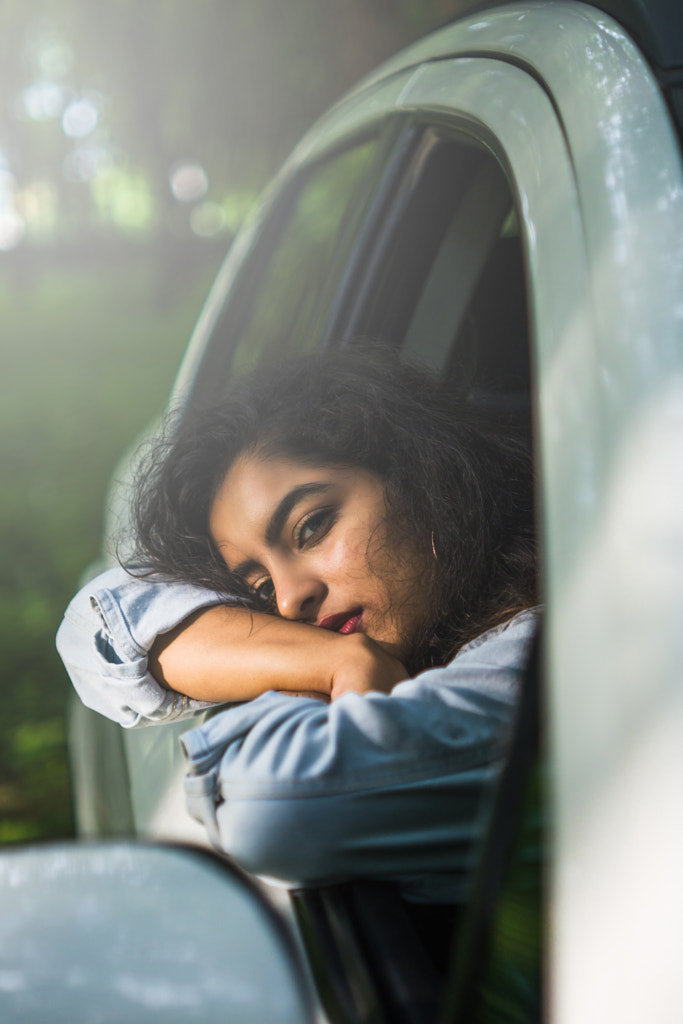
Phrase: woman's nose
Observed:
(299, 596)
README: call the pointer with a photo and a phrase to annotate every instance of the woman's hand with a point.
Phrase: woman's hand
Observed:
(361, 666)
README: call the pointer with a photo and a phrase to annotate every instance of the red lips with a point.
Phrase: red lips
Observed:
(343, 622)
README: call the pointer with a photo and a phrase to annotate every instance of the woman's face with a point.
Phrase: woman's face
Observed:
(312, 544)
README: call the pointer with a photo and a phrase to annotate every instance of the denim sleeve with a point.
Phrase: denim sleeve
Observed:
(107, 632)
(376, 786)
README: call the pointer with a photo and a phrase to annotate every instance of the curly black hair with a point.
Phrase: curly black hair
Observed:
(457, 478)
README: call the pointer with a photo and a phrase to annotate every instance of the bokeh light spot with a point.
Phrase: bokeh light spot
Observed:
(188, 182)
(80, 118)
(37, 203)
(55, 58)
(45, 48)
(207, 219)
(12, 228)
(7, 184)
(43, 101)
(85, 162)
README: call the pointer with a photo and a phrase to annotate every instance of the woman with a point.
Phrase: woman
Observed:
(375, 534)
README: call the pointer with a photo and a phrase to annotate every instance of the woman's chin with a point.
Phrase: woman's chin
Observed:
(397, 648)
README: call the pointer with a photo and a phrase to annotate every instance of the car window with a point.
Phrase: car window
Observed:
(426, 257)
(469, 318)
(444, 301)
(446, 284)
(280, 299)
(286, 316)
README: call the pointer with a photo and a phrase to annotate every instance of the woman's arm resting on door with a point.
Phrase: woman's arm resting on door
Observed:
(144, 650)
(231, 654)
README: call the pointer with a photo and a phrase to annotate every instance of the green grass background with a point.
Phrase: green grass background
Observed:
(88, 358)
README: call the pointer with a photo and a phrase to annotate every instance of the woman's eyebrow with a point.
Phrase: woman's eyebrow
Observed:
(290, 500)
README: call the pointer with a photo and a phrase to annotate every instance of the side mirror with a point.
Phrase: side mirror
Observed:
(144, 933)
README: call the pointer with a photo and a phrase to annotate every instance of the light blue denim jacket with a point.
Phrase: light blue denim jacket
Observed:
(104, 639)
(375, 786)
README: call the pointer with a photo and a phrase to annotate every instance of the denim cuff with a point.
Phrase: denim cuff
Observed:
(104, 640)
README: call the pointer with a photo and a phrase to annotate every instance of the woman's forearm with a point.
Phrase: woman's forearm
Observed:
(232, 654)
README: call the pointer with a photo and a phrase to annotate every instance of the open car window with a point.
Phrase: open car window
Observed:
(412, 243)
(282, 294)
(286, 316)
(447, 283)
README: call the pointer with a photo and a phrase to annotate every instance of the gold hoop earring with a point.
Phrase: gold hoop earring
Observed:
(436, 557)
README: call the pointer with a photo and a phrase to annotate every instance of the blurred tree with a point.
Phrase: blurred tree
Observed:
(228, 86)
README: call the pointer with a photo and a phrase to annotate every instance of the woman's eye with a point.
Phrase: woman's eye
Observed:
(264, 592)
(314, 526)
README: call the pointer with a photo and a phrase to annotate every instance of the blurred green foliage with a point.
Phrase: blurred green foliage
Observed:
(88, 360)
(101, 101)
(512, 986)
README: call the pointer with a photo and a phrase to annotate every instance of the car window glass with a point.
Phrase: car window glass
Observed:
(445, 298)
(286, 316)
(447, 284)
(490, 348)
(469, 318)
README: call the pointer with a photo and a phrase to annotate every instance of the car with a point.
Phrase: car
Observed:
(503, 201)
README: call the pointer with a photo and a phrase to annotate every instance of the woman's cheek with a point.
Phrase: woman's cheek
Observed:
(347, 557)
